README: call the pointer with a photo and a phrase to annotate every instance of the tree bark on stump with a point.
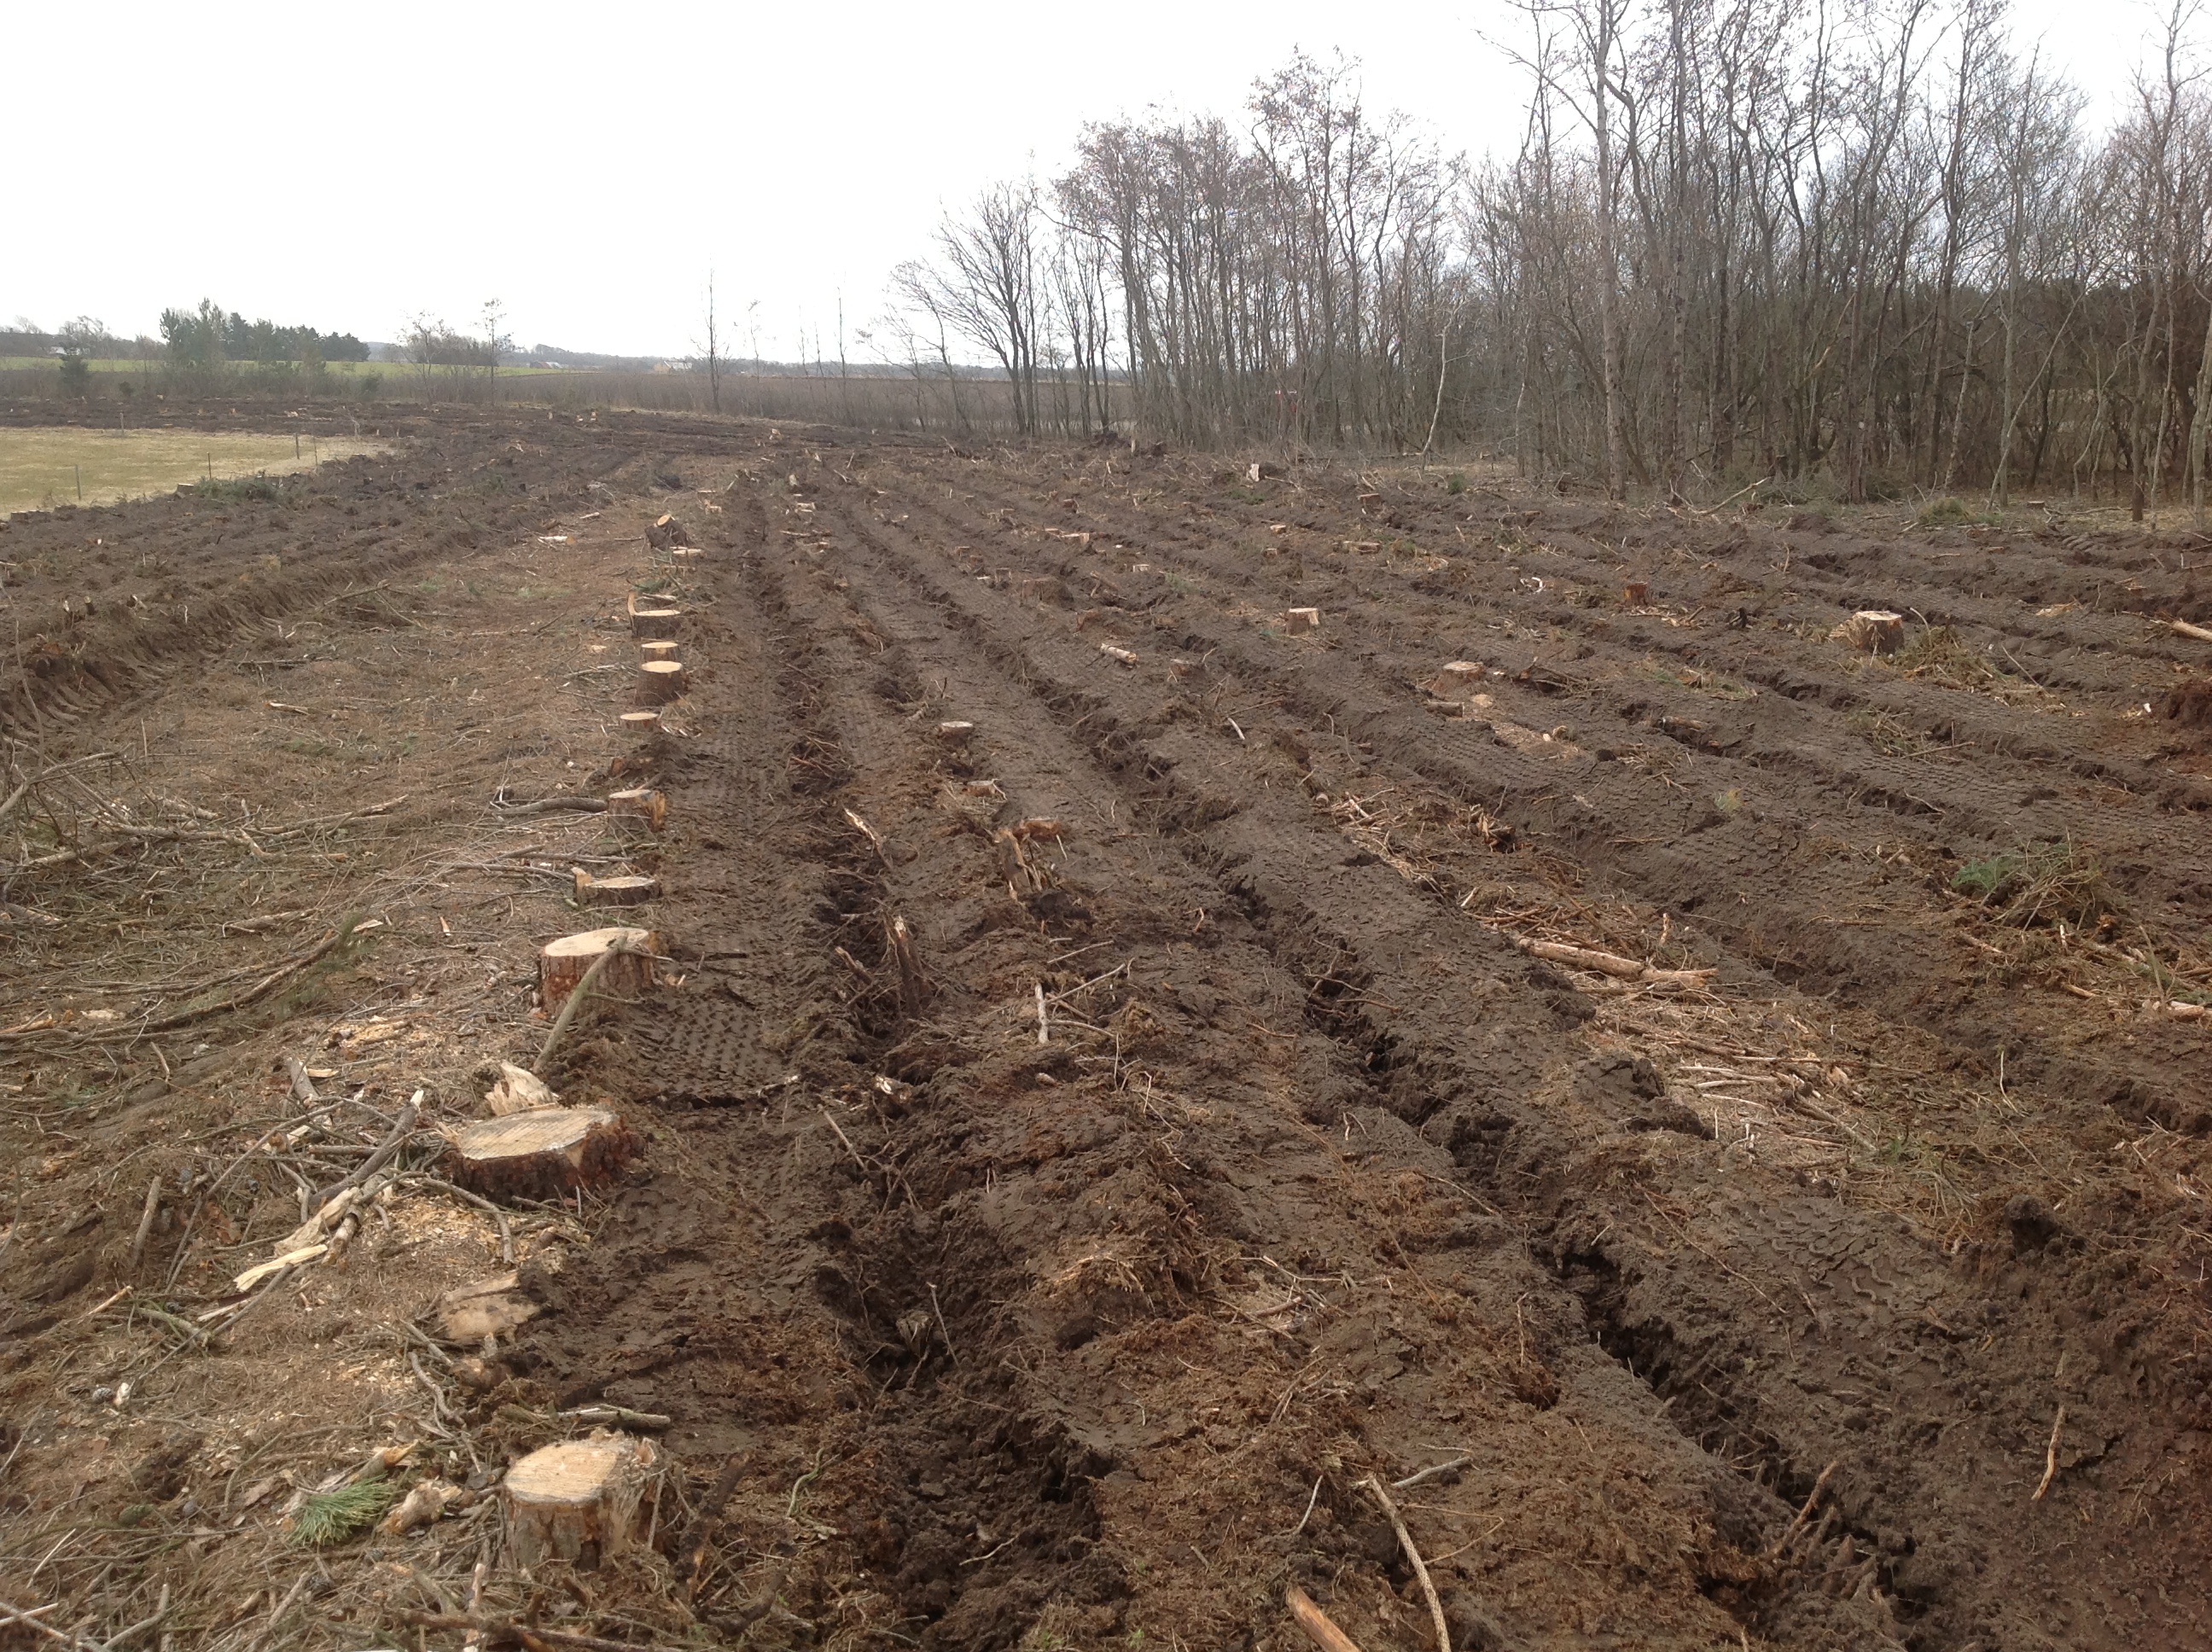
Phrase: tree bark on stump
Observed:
(1297, 622)
(657, 648)
(641, 722)
(659, 681)
(561, 964)
(1457, 680)
(654, 624)
(639, 810)
(541, 1154)
(629, 889)
(577, 1501)
(1872, 631)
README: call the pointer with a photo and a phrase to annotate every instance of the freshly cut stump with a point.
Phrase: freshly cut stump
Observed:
(638, 810)
(1872, 631)
(540, 1154)
(641, 722)
(666, 534)
(1298, 621)
(561, 963)
(650, 624)
(955, 734)
(578, 1501)
(660, 681)
(629, 889)
(657, 648)
(1456, 681)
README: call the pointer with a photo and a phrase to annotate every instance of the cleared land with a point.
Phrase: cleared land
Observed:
(1718, 1118)
(42, 467)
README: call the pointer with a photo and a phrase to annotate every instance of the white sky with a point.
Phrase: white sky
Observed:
(351, 166)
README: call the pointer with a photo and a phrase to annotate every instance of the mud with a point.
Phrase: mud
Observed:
(1057, 1273)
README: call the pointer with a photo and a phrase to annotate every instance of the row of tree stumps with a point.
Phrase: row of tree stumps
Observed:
(580, 1500)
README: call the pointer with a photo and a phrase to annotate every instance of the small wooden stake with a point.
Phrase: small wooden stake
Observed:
(577, 1501)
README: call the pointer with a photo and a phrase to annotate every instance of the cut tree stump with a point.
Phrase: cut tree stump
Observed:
(578, 1501)
(638, 810)
(1872, 631)
(955, 734)
(657, 648)
(541, 1154)
(648, 624)
(660, 681)
(629, 890)
(666, 534)
(561, 963)
(641, 722)
(1297, 622)
(468, 1314)
(1636, 593)
(1456, 681)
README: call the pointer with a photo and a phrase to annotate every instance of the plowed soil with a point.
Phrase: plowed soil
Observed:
(1716, 1119)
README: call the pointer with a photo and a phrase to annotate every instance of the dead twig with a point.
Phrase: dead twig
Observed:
(1374, 1485)
(376, 1161)
(1316, 1624)
(2051, 1452)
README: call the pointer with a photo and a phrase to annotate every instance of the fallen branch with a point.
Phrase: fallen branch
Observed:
(2189, 630)
(376, 1161)
(1312, 1619)
(1374, 1484)
(1612, 963)
(548, 806)
(617, 948)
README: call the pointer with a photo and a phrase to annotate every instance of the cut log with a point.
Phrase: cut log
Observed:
(1297, 622)
(578, 1501)
(561, 963)
(657, 648)
(639, 809)
(540, 1154)
(686, 553)
(660, 681)
(629, 889)
(955, 734)
(649, 624)
(1456, 681)
(468, 1314)
(1872, 631)
(641, 722)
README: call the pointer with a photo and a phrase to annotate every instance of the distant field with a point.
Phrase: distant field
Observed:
(40, 466)
(245, 368)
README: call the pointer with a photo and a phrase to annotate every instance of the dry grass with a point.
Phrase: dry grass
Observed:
(42, 466)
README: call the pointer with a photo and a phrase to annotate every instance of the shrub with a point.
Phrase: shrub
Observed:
(2054, 882)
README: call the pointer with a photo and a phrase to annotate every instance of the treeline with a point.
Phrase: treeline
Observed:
(1868, 247)
(205, 338)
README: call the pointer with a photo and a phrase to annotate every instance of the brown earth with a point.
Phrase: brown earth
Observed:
(1213, 1142)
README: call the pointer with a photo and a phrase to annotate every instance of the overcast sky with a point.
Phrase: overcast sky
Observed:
(349, 166)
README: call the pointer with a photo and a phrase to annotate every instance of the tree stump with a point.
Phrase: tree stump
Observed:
(660, 681)
(1872, 631)
(641, 722)
(629, 890)
(666, 534)
(638, 811)
(577, 1501)
(468, 1314)
(1456, 681)
(561, 963)
(955, 734)
(657, 648)
(650, 624)
(1297, 622)
(541, 1154)
(1636, 593)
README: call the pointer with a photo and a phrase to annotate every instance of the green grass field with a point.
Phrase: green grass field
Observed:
(40, 466)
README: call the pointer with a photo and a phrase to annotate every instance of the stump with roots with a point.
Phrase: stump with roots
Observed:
(578, 1501)
(629, 890)
(540, 1154)
(659, 681)
(638, 811)
(1872, 631)
(654, 624)
(628, 973)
